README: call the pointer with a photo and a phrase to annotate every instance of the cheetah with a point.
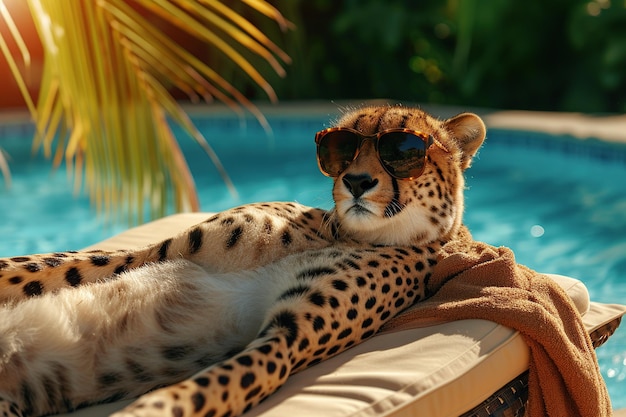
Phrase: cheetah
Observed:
(214, 320)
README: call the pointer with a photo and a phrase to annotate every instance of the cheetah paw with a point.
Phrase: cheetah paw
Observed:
(9, 409)
(150, 405)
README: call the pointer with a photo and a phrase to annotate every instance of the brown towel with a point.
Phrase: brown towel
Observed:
(473, 280)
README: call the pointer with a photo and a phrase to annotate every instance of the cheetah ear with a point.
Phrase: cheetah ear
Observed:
(469, 131)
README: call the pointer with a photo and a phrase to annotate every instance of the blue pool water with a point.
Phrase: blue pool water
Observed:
(559, 203)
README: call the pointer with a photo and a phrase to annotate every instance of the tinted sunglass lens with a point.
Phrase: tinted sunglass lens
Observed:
(336, 150)
(402, 154)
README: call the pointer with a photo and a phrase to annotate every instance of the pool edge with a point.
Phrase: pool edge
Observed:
(607, 127)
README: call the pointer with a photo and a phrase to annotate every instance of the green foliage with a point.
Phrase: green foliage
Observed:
(542, 55)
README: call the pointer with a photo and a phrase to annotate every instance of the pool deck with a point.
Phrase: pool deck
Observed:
(608, 127)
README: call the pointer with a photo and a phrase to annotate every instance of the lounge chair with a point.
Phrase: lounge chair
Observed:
(461, 368)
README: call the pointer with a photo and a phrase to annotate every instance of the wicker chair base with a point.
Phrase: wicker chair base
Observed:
(510, 400)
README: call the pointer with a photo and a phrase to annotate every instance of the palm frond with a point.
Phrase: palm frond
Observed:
(4, 168)
(105, 106)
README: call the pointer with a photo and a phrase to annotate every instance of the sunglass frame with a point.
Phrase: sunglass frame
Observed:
(428, 140)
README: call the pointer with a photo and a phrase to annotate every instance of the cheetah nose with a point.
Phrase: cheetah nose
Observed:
(359, 184)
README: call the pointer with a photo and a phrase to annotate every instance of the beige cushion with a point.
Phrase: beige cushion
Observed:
(151, 232)
(441, 370)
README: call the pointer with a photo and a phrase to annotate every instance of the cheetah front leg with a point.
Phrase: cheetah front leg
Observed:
(229, 388)
(255, 235)
(242, 238)
(336, 301)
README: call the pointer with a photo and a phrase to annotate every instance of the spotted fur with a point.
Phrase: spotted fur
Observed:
(214, 320)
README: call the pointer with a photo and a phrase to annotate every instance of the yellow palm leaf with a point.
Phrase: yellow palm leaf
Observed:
(104, 105)
(4, 168)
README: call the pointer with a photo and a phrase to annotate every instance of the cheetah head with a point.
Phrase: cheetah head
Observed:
(372, 206)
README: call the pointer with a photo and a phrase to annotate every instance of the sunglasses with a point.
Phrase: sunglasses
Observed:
(402, 152)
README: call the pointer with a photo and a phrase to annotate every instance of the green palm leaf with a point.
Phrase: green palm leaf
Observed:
(105, 106)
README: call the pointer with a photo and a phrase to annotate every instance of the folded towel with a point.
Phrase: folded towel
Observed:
(473, 280)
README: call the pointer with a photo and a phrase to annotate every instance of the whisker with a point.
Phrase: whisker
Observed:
(329, 219)
(396, 208)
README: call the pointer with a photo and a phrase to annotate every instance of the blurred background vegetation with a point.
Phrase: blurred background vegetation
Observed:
(559, 55)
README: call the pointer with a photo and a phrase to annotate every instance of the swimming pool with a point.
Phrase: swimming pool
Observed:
(559, 203)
